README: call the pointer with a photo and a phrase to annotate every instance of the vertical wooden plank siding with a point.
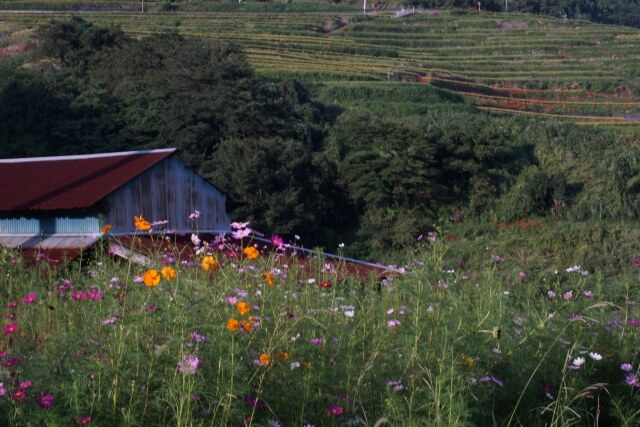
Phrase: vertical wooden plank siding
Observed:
(167, 191)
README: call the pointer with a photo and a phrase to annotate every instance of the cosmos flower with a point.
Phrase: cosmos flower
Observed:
(209, 263)
(189, 364)
(242, 307)
(335, 410)
(44, 400)
(151, 278)
(168, 273)
(251, 252)
(233, 325)
(141, 223)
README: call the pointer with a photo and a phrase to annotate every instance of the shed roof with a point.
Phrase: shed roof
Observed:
(68, 182)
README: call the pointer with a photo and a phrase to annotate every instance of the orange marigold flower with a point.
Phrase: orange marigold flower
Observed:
(106, 228)
(233, 325)
(282, 355)
(168, 273)
(151, 278)
(264, 359)
(269, 278)
(242, 307)
(251, 252)
(307, 364)
(246, 325)
(141, 223)
(210, 263)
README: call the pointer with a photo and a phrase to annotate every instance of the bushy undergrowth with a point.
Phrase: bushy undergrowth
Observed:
(233, 338)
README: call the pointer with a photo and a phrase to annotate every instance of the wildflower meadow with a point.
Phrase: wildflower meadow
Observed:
(234, 332)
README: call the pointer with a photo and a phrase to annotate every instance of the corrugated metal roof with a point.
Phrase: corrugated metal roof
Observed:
(69, 182)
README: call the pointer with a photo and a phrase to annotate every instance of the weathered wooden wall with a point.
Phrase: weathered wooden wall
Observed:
(166, 191)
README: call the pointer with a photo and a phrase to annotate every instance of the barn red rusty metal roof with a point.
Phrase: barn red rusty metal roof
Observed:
(68, 182)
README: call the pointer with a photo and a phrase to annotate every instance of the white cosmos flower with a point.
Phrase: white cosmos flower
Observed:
(595, 356)
(578, 361)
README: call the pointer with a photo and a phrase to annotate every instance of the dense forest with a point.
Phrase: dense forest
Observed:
(291, 163)
(622, 12)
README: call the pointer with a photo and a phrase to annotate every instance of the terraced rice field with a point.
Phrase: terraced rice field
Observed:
(500, 63)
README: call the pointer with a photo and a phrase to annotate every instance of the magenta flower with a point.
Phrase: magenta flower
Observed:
(189, 364)
(522, 274)
(29, 298)
(94, 294)
(12, 304)
(334, 410)
(65, 285)
(3, 390)
(83, 420)
(11, 362)
(78, 295)
(10, 328)
(45, 400)
(277, 241)
(317, 341)
(496, 258)
(20, 394)
(635, 262)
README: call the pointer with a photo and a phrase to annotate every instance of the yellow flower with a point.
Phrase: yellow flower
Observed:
(282, 355)
(141, 223)
(210, 263)
(151, 278)
(242, 307)
(251, 252)
(264, 359)
(468, 360)
(269, 278)
(169, 274)
(106, 228)
(233, 325)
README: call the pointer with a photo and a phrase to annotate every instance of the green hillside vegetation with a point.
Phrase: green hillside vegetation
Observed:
(342, 127)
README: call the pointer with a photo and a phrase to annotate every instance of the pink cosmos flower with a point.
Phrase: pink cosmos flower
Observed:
(241, 234)
(29, 298)
(189, 364)
(10, 328)
(334, 410)
(83, 420)
(567, 295)
(45, 400)
(277, 241)
(78, 295)
(94, 294)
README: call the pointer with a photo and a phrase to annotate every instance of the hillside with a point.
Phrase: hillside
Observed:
(481, 107)
(501, 63)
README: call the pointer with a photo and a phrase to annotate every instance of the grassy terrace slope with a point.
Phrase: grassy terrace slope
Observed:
(502, 63)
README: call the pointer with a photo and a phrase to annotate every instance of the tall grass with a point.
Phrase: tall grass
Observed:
(437, 345)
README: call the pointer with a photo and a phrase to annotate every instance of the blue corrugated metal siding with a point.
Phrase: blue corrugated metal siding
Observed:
(19, 225)
(50, 224)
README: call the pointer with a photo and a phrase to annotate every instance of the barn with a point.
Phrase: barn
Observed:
(61, 204)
